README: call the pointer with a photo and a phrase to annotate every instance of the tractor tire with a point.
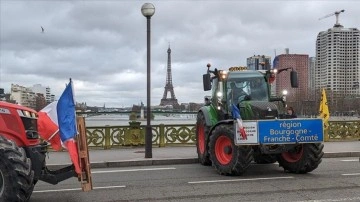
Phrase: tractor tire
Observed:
(16, 176)
(202, 146)
(226, 157)
(264, 158)
(302, 159)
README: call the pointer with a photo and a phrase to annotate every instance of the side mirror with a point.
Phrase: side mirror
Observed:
(206, 82)
(293, 79)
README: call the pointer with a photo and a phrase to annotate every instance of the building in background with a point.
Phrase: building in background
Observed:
(2, 94)
(259, 62)
(312, 92)
(40, 102)
(46, 91)
(311, 72)
(337, 60)
(26, 96)
(337, 67)
(299, 63)
(23, 96)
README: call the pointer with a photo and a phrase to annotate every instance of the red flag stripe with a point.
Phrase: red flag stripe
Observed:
(73, 152)
(49, 131)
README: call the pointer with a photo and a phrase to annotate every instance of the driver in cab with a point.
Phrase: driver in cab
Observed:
(258, 91)
(235, 93)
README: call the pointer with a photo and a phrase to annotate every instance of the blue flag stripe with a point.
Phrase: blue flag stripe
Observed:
(235, 112)
(66, 114)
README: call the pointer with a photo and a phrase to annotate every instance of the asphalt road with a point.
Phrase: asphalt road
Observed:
(336, 179)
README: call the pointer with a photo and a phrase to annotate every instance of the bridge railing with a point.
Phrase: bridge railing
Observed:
(108, 137)
(344, 130)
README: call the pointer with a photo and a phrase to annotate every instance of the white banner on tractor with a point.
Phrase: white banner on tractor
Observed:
(251, 130)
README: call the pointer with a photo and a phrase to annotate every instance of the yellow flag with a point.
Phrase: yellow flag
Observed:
(324, 109)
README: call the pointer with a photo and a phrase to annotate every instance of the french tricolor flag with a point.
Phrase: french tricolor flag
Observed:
(57, 124)
(236, 115)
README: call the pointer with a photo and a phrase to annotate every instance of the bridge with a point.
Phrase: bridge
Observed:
(129, 112)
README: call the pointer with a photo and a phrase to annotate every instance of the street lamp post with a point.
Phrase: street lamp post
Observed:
(148, 10)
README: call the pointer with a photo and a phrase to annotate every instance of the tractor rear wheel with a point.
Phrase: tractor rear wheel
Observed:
(201, 141)
(303, 158)
(16, 176)
(226, 157)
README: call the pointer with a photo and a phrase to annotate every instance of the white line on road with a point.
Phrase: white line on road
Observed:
(350, 174)
(333, 200)
(77, 189)
(110, 187)
(238, 180)
(131, 170)
(350, 160)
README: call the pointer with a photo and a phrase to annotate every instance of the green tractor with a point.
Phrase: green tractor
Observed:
(241, 123)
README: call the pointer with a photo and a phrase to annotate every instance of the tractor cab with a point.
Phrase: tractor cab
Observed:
(249, 90)
(245, 86)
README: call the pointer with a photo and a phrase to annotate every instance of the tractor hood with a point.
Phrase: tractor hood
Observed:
(255, 110)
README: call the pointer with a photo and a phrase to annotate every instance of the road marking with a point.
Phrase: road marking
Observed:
(131, 170)
(110, 187)
(78, 189)
(333, 200)
(350, 174)
(350, 160)
(238, 180)
(259, 164)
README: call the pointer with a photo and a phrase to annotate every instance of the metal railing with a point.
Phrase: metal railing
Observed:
(108, 137)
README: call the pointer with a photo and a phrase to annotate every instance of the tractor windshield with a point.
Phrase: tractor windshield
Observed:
(252, 88)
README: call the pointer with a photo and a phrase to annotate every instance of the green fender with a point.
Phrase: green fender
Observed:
(210, 115)
(211, 118)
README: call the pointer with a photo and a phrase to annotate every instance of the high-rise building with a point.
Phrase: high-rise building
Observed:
(259, 62)
(337, 60)
(311, 72)
(299, 63)
(38, 88)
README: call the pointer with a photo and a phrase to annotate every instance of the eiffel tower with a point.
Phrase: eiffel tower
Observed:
(169, 87)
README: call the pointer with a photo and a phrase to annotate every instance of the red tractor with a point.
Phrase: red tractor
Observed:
(22, 155)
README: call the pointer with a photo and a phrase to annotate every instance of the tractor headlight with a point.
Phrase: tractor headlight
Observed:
(223, 74)
(284, 93)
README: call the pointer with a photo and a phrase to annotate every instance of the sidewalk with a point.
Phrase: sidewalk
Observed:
(173, 155)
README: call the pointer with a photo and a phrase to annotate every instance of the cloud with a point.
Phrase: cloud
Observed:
(101, 45)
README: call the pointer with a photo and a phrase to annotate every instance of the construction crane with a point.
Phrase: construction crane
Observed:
(336, 13)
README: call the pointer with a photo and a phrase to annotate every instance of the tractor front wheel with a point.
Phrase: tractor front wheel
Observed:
(226, 157)
(16, 176)
(201, 140)
(303, 158)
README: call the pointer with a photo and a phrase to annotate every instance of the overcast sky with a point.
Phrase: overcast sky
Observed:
(101, 45)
